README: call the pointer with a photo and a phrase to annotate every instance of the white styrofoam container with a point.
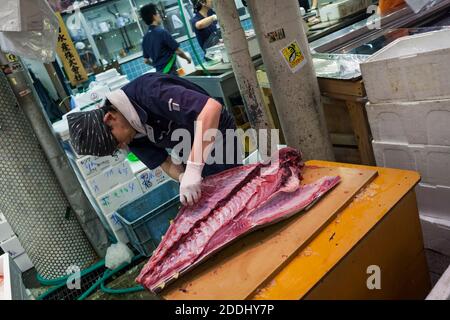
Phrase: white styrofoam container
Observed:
(5, 229)
(61, 128)
(111, 73)
(118, 196)
(342, 9)
(12, 287)
(109, 178)
(90, 165)
(432, 162)
(137, 166)
(149, 179)
(433, 201)
(114, 222)
(13, 247)
(436, 234)
(410, 69)
(419, 122)
(23, 262)
(93, 95)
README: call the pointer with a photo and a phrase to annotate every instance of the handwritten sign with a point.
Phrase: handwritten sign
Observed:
(69, 56)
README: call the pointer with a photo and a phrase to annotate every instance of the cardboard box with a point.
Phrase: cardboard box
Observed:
(118, 196)
(411, 68)
(13, 247)
(109, 178)
(419, 122)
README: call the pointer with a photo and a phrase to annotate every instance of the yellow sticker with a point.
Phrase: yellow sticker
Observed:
(293, 56)
(11, 57)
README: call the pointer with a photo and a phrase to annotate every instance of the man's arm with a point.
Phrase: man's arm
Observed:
(206, 22)
(183, 55)
(172, 170)
(190, 187)
(207, 119)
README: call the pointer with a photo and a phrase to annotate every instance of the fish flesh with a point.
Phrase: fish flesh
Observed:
(233, 203)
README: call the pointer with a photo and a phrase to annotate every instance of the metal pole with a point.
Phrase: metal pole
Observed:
(243, 67)
(278, 26)
(23, 90)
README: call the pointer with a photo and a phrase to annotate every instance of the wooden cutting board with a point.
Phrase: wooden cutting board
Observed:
(238, 270)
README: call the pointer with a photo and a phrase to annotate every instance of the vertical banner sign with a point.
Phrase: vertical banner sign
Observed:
(69, 56)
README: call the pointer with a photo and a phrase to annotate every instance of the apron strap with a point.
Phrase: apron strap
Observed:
(170, 64)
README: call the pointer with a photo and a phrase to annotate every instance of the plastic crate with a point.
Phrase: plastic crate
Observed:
(147, 219)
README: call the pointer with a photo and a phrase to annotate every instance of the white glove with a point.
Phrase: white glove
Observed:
(191, 180)
(214, 16)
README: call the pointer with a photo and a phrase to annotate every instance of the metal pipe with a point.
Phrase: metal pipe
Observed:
(86, 215)
(237, 47)
(288, 62)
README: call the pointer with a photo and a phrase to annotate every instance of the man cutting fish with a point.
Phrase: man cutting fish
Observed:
(143, 117)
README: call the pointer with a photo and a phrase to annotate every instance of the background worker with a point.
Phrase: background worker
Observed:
(204, 24)
(158, 46)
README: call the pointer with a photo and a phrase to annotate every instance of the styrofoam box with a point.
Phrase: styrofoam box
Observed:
(433, 162)
(149, 179)
(436, 234)
(111, 73)
(137, 166)
(109, 178)
(410, 69)
(13, 247)
(5, 229)
(114, 222)
(90, 165)
(97, 93)
(118, 196)
(433, 201)
(420, 122)
(12, 287)
(342, 9)
(23, 262)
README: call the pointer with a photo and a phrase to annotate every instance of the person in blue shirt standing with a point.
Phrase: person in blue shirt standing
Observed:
(204, 24)
(158, 46)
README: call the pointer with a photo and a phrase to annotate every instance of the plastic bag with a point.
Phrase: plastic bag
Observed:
(35, 45)
(117, 254)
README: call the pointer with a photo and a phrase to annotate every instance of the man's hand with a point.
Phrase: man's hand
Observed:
(190, 187)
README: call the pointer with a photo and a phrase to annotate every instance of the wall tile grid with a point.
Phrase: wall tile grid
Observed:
(137, 67)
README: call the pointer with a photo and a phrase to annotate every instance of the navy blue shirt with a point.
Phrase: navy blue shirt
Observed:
(159, 46)
(165, 103)
(203, 34)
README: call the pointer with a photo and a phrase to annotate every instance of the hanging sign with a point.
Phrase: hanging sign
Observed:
(293, 56)
(69, 56)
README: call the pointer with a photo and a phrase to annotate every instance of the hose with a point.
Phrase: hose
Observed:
(108, 274)
(62, 280)
(183, 18)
